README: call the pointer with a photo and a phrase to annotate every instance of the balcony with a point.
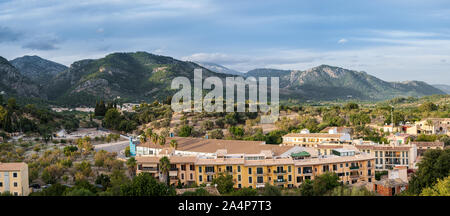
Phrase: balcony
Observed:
(279, 181)
(354, 167)
(150, 169)
(279, 171)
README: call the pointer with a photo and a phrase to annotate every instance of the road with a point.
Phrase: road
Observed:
(118, 147)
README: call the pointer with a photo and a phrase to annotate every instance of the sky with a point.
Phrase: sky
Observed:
(394, 40)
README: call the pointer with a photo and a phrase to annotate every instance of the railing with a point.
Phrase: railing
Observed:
(354, 167)
(279, 181)
(279, 172)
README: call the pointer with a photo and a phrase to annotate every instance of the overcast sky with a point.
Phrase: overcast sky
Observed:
(393, 40)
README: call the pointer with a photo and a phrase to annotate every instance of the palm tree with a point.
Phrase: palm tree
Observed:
(164, 168)
(162, 140)
(131, 164)
(142, 138)
(154, 137)
(173, 144)
(429, 123)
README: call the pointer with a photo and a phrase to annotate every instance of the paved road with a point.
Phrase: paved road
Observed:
(118, 147)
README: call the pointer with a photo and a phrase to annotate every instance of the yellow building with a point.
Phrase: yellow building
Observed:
(253, 164)
(14, 178)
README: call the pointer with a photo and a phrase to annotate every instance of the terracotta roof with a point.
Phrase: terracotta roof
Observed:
(428, 144)
(381, 147)
(212, 145)
(12, 166)
(173, 159)
(391, 182)
(265, 162)
(314, 135)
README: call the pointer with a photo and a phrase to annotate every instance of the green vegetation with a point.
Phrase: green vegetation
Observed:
(433, 166)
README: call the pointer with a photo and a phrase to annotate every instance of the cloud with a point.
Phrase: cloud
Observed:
(342, 41)
(8, 35)
(44, 43)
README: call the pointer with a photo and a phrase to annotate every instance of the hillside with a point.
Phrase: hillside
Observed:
(220, 68)
(329, 83)
(444, 88)
(37, 69)
(14, 83)
(130, 76)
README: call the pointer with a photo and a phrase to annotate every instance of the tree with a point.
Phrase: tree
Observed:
(428, 107)
(351, 106)
(324, 183)
(185, 131)
(164, 167)
(216, 134)
(244, 192)
(146, 185)
(224, 183)
(236, 132)
(441, 188)
(434, 165)
(131, 164)
(173, 144)
(306, 188)
(271, 190)
(162, 140)
(113, 119)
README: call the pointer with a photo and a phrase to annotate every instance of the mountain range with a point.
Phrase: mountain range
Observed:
(442, 87)
(142, 76)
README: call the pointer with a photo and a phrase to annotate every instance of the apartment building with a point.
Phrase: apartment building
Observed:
(399, 138)
(253, 164)
(307, 139)
(424, 146)
(14, 178)
(431, 126)
(387, 156)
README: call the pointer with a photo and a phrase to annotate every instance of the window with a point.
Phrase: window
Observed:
(290, 177)
(250, 180)
(342, 165)
(239, 177)
(334, 167)
(209, 169)
(200, 178)
(376, 153)
(229, 168)
(346, 164)
(325, 168)
(182, 175)
(191, 176)
(200, 169)
(15, 184)
(259, 170)
(192, 167)
(299, 170)
(289, 169)
(249, 170)
(1, 184)
(16, 194)
(299, 179)
(239, 186)
(15, 175)
(183, 167)
(239, 168)
(260, 179)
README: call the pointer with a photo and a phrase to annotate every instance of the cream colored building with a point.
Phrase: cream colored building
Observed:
(431, 126)
(14, 178)
(307, 139)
